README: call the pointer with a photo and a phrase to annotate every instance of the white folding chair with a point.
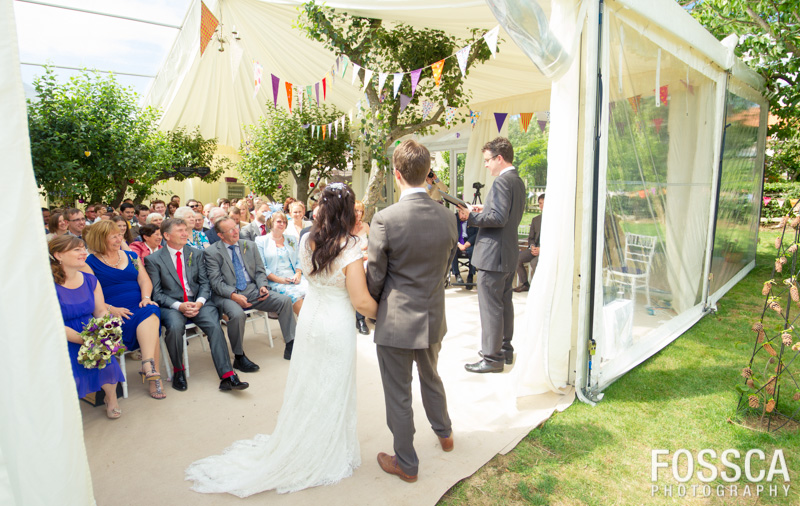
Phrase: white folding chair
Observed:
(253, 315)
(124, 373)
(639, 252)
(195, 332)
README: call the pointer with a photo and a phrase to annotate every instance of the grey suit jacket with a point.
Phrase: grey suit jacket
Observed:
(166, 285)
(251, 231)
(411, 246)
(221, 275)
(535, 231)
(496, 247)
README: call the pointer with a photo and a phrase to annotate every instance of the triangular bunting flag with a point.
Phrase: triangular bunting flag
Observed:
(316, 91)
(427, 107)
(449, 115)
(500, 118)
(333, 77)
(258, 70)
(324, 88)
(491, 39)
(356, 68)
(329, 130)
(462, 55)
(415, 80)
(543, 116)
(276, 82)
(398, 78)
(367, 76)
(289, 94)
(404, 101)
(437, 71)
(323, 132)
(657, 123)
(474, 116)
(345, 61)
(338, 60)
(525, 120)
(208, 23)
(308, 92)
(542, 125)
(664, 94)
(382, 80)
(635, 101)
(366, 97)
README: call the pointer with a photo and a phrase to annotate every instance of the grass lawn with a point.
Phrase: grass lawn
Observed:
(683, 397)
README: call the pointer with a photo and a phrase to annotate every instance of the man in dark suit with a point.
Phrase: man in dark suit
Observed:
(239, 281)
(407, 280)
(213, 215)
(258, 226)
(531, 253)
(181, 288)
(495, 255)
(464, 248)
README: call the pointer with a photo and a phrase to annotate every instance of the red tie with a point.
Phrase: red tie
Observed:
(263, 230)
(180, 275)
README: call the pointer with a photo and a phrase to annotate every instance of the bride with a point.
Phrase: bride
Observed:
(314, 442)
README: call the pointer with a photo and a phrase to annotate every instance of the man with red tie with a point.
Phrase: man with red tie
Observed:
(181, 288)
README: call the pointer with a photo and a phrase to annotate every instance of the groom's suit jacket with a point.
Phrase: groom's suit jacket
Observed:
(222, 276)
(166, 285)
(411, 245)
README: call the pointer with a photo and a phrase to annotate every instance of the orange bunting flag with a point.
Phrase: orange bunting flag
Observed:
(289, 94)
(208, 23)
(525, 120)
(437, 71)
(323, 132)
(663, 94)
(635, 101)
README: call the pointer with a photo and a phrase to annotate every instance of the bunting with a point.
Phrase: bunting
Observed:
(449, 115)
(367, 76)
(289, 94)
(404, 101)
(525, 120)
(345, 61)
(258, 71)
(415, 80)
(664, 94)
(398, 79)
(276, 82)
(657, 123)
(324, 89)
(500, 118)
(208, 23)
(356, 69)
(437, 71)
(381, 81)
(635, 101)
(462, 55)
(542, 125)
(426, 109)
(474, 116)
(491, 39)
(316, 91)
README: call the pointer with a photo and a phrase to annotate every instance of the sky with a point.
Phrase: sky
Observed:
(77, 39)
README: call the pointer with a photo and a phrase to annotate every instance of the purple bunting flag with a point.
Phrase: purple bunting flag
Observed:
(500, 118)
(404, 101)
(415, 80)
(276, 82)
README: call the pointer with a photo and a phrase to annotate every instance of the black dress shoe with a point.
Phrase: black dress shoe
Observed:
(232, 383)
(484, 366)
(361, 325)
(244, 364)
(522, 288)
(287, 352)
(179, 381)
(508, 355)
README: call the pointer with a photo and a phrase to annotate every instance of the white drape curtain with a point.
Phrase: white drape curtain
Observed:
(42, 455)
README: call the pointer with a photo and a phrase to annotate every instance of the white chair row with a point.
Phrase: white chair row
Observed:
(191, 331)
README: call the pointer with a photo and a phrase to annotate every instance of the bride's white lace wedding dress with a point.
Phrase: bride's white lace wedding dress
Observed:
(314, 441)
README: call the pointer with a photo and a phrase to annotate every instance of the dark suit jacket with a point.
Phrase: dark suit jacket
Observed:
(496, 248)
(211, 234)
(535, 231)
(251, 231)
(472, 232)
(222, 276)
(166, 285)
(411, 246)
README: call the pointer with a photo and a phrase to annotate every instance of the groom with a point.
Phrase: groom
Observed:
(410, 249)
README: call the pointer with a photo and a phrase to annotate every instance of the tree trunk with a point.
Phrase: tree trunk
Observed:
(302, 188)
(373, 196)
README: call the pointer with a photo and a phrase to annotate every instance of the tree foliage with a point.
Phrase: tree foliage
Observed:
(91, 141)
(373, 44)
(279, 144)
(530, 153)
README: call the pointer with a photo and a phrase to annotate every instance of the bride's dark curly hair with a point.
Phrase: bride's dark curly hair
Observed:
(333, 226)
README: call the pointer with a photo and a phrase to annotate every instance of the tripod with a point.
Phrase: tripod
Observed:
(476, 199)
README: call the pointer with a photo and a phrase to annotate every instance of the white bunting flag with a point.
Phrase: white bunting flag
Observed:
(367, 76)
(462, 56)
(398, 79)
(491, 39)
(382, 80)
(356, 68)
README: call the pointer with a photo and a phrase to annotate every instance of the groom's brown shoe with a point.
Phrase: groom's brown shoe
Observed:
(389, 464)
(446, 442)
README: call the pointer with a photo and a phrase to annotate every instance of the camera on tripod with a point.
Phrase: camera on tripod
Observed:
(478, 185)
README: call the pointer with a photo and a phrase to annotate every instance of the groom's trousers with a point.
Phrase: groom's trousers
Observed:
(396, 366)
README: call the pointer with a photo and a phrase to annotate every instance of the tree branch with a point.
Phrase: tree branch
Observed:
(765, 26)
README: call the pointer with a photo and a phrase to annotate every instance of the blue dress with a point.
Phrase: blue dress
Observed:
(121, 289)
(77, 307)
(285, 269)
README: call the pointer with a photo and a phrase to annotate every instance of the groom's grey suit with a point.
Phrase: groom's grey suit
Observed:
(411, 245)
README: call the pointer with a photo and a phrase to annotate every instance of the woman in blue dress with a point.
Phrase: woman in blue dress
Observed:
(81, 298)
(279, 253)
(127, 289)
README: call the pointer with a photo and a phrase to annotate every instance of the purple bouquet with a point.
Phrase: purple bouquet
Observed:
(102, 339)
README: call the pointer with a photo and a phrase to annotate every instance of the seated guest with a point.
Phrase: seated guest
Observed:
(531, 253)
(224, 204)
(76, 221)
(150, 241)
(122, 225)
(279, 254)
(57, 226)
(464, 247)
(213, 215)
(158, 206)
(175, 199)
(244, 214)
(128, 292)
(141, 219)
(297, 223)
(286, 203)
(258, 226)
(81, 299)
(198, 235)
(181, 288)
(92, 213)
(235, 214)
(128, 211)
(207, 209)
(172, 206)
(187, 214)
(239, 281)
(155, 219)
